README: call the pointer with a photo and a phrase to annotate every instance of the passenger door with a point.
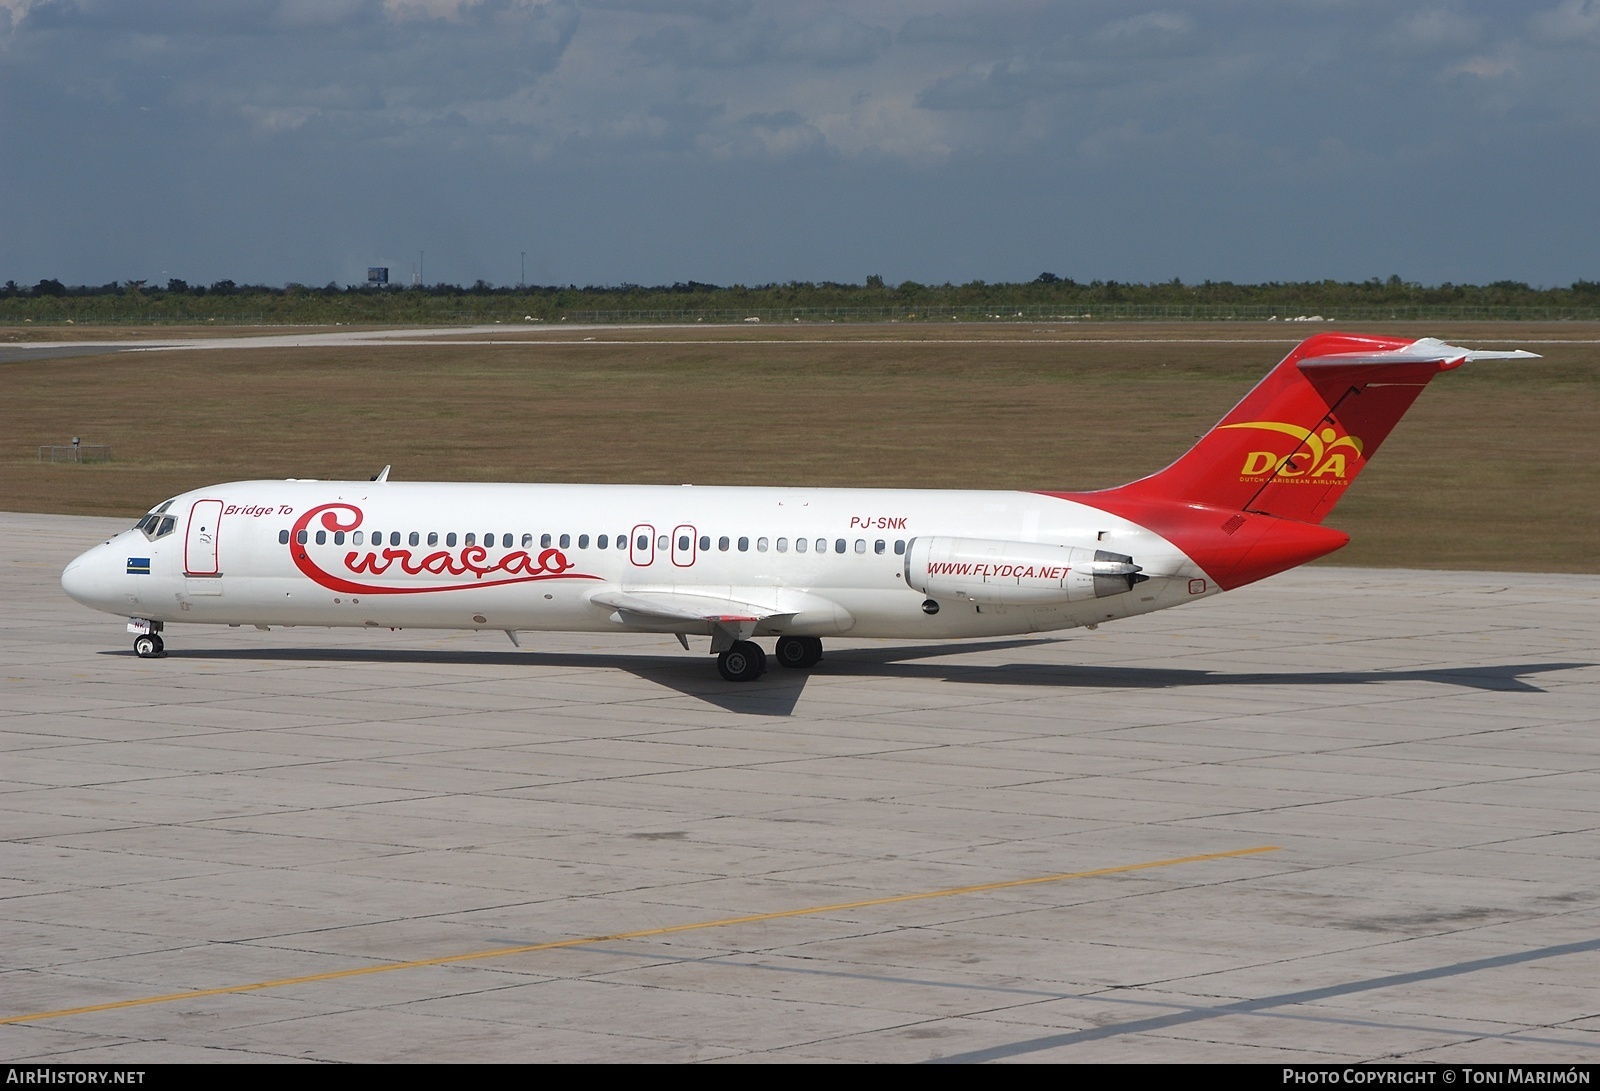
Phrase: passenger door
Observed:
(202, 561)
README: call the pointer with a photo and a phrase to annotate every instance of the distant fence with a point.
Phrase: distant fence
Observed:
(1090, 312)
(75, 452)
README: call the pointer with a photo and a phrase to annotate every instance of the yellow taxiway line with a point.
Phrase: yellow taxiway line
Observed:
(643, 933)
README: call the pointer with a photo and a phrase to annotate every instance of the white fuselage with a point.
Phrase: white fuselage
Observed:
(535, 557)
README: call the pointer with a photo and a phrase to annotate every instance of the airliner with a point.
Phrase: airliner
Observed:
(734, 564)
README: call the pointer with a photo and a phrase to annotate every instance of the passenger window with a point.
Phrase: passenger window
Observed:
(283, 537)
(783, 545)
(663, 542)
(583, 541)
(322, 537)
(566, 541)
(643, 543)
(433, 537)
(744, 545)
(722, 543)
(394, 537)
(449, 539)
(761, 545)
(338, 537)
(899, 546)
(507, 539)
(600, 542)
(705, 543)
(878, 546)
(357, 537)
(415, 538)
(861, 545)
(544, 541)
(527, 541)
(301, 537)
(470, 539)
(800, 545)
(683, 543)
(822, 545)
(839, 545)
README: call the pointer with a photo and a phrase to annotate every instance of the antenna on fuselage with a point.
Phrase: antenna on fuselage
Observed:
(383, 475)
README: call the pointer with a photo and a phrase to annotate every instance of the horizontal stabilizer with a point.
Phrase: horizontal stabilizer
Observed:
(1426, 350)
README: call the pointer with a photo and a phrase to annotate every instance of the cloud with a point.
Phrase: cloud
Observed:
(775, 136)
(1575, 22)
(996, 86)
(963, 28)
(1433, 30)
(700, 9)
(1152, 31)
(1486, 68)
(832, 41)
(271, 109)
(277, 67)
(13, 12)
(448, 10)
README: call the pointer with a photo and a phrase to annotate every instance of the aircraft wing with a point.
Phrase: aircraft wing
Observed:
(725, 620)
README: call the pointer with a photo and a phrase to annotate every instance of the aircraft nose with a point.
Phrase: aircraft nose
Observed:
(83, 579)
(73, 581)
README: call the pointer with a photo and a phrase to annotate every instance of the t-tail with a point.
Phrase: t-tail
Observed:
(1249, 498)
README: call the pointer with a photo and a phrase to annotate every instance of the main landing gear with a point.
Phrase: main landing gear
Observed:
(745, 661)
(800, 652)
(149, 646)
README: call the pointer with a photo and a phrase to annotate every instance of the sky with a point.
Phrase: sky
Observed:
(756, 141)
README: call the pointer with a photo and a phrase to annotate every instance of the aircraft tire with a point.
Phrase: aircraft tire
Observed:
(149, 647)
(799, 652)
(744, 662)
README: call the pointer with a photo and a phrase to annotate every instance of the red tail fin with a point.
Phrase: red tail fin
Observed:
(1297, 441)
(1245, 502)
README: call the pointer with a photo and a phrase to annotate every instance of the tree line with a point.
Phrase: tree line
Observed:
(1046, 296)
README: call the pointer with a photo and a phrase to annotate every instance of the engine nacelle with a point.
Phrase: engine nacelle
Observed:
(1001, 573)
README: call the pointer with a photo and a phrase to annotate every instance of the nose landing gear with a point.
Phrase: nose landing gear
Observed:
(146, 638)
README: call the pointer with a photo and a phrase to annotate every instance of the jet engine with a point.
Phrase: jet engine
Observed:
(1016, 573)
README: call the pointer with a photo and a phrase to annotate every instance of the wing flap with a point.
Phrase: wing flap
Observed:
(725, 620)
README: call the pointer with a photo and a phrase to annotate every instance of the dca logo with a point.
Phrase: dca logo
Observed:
(1319, 456)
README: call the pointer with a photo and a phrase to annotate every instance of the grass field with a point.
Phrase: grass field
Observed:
(1495, 468)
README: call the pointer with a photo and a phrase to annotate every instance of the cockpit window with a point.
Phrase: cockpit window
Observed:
(157, 524)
